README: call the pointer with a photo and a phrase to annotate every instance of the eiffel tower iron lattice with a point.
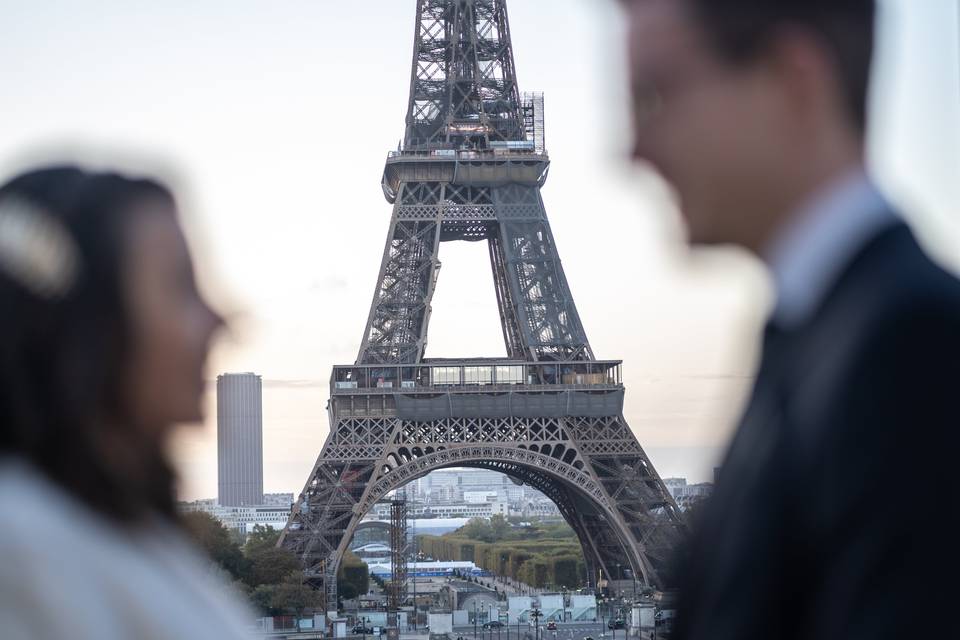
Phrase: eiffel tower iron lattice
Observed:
(550, 414)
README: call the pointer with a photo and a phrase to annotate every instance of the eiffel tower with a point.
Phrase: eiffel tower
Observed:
(550, 414)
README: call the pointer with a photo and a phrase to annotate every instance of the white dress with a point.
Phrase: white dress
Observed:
(67, 572)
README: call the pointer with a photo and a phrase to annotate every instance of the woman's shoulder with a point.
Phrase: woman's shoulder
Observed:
(54, 552)
(47, 532)
(35, 510)
(59, 553)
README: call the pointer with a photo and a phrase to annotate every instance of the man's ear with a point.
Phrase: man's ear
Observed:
(801, 64)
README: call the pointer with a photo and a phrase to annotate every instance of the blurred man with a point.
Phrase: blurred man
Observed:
(829, 519)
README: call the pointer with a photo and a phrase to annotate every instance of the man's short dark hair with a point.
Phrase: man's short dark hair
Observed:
(741, 29)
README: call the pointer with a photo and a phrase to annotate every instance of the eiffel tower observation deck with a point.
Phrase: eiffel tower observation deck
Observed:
(549, 414)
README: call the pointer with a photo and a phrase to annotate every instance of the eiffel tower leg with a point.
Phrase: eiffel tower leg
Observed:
(527, 267)
(400, 312)
(644, 506)
(324, 515)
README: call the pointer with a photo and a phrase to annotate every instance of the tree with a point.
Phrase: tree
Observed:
(353, 578)
(477, 529)
(293, 594)
(565, 571)
(211, 536)
(269, 565)
(500, 527)
(262, 599)
(261, 537)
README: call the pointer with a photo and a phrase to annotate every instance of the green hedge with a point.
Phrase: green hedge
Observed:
(536, 562)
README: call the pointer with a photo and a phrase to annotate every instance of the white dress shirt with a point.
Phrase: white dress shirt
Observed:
(820, 239)
(66, 572)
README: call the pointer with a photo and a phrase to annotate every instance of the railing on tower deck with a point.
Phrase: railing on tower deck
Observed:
(496, 150)
(476, 375)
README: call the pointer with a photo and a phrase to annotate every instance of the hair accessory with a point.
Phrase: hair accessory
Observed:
(36, 250)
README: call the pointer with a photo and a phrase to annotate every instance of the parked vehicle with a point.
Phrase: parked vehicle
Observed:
(362, 629)
(616, 624)
(493, 624)
(552, 626)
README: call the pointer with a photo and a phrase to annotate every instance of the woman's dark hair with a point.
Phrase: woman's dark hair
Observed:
(64, 358)
(741, 29)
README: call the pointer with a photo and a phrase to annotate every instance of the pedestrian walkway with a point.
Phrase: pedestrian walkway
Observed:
(509, 586)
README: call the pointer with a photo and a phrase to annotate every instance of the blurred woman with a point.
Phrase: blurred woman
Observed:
(103, 340)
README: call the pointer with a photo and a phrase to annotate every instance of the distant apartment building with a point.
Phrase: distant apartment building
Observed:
(241, 519)
(456, 485)
(469, 493)
(457, 510)
(538, 509)
(675, 485)
(441, 494)
(240, 439)
(278, 499)
(685, 494)
(479, 497)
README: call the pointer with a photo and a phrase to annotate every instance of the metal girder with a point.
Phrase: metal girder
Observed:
(397, 325)
(463, 76)
(509, 314)
(550, 327)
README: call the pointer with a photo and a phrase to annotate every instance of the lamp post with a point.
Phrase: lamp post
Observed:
(616, 619)
(623, 613)
(474, 620)
(536, 613)
(619, 576)
(603, 629)
(363, 627)
(417, 557)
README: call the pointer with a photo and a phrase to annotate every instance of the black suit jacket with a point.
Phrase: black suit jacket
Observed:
(833, 516)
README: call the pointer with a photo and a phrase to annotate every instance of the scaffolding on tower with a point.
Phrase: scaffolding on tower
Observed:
(533, 120)
(397, 589)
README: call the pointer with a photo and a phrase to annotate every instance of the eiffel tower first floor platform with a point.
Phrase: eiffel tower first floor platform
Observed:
(556, 426)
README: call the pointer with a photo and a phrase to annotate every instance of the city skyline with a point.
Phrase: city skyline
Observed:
(274, 122)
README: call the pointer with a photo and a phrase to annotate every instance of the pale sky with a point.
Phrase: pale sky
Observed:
(276, 118)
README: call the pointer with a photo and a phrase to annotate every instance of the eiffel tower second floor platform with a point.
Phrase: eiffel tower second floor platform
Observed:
(478, 388)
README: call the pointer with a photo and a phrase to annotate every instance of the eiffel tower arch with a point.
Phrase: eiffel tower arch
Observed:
(549, 414)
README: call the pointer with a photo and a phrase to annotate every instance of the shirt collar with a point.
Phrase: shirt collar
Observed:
(822, 236)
